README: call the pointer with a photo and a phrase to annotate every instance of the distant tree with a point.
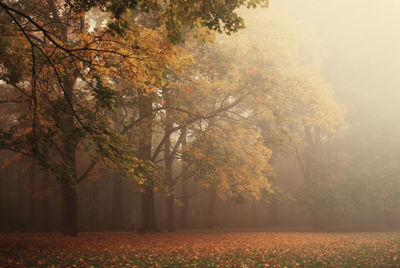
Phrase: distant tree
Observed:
(377, 191)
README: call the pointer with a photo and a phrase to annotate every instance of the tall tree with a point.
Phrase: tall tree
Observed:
(62, 79)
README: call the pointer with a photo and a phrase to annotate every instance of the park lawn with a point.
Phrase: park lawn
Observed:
(257, 249)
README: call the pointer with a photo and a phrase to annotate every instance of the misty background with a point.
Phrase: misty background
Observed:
(360, 46)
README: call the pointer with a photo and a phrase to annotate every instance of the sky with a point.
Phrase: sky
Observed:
(362, 62)
(362, 38)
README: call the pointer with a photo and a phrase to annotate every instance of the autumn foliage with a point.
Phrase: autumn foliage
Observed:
(202, 250)
(154, 93)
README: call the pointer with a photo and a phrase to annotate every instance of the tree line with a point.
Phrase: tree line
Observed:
(154, 92)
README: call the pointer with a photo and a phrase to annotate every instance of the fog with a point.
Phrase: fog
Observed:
(332, 167)
(362, 46)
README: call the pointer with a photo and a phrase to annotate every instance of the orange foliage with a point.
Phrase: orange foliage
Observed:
(202, 249)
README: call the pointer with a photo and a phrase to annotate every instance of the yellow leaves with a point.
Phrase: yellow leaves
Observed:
(141, 181)
(203, 34)
(140, 56)
(205, 185)
(233, 160)
(320, 107)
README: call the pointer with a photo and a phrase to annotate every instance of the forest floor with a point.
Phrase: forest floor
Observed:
(200, 249)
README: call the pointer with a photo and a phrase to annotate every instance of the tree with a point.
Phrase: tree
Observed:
(70, 107)
(62, 99)
(294, 109)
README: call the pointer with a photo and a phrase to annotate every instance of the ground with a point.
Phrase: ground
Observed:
(187, 249)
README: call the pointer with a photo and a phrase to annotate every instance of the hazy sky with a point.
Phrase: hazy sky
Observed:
(362, 38)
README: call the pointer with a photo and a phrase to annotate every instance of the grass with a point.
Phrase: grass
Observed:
(201, 250)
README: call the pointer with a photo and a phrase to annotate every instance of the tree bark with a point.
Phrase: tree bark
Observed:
(22, 198)
(388, 219)
(170, 213)
(148, 210)
(185, 199)
(211, 209)
(253, 214)
(168, 170)
(312, 170)
(316, 217)
(118, 203)
(69, 209)
(185, 202)
(69, 181)
(94, 222)
(45, 203)
(32, 200)
(273, 212)
(184, 207)
(148, 213)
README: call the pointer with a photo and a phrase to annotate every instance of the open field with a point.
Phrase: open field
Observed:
(202, 249)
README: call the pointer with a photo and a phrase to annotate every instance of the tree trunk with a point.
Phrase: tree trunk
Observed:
(185, 204)
(253, 214)
(185, 199)
(170, 213)
(69, 180)
(148, 210)
(94, 222)
(22, 199)
(388, 219)
(168, 170)
(44, 202)
(312, 170)
(317, 224)
(118, 203)
(273, 212)
(148, 213)
(69, 210)
(32, 200)
(211, 209)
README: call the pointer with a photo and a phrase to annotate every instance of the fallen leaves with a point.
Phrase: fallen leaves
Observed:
(201, 250)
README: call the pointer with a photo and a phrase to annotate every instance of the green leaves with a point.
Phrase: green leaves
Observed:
(217, 15)
(105, 95)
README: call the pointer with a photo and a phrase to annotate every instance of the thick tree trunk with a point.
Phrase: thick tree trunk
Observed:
(170, 213)
(148, 210)
(69, 210)
(69, 191)
(168, 170)
(94, 222)
(2, 201)
(66, 122)
(45, 203)
(311, 170)
(185, 199)
(211, 209)
(253, 214)
(273, 212)
(148, 214)
(32, 200)
(185, 204)
(69, 181)
(316, 217)
(118, 203)
(22, 199)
